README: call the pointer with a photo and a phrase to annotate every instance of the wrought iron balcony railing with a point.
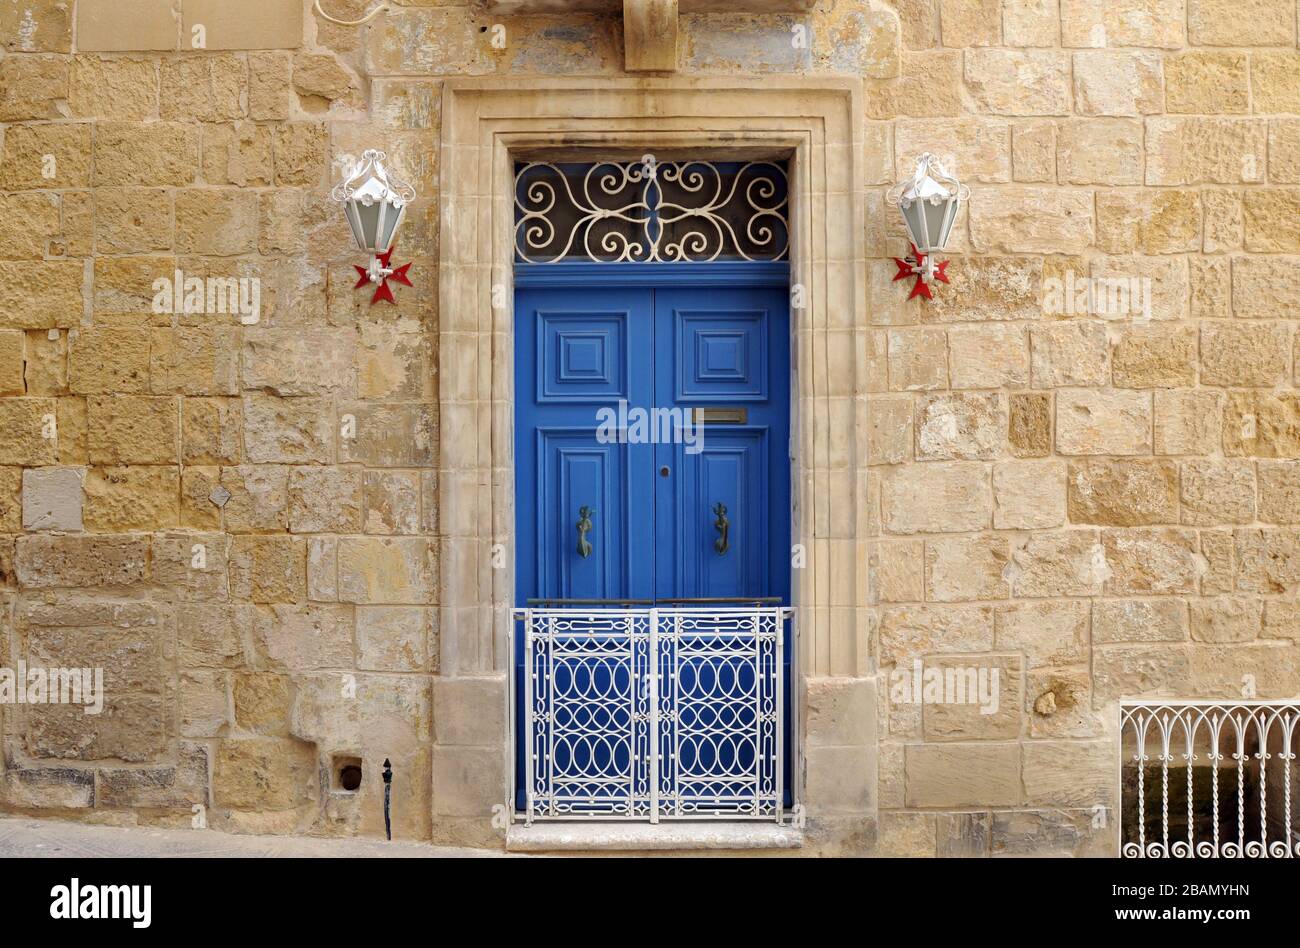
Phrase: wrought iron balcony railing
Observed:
(649, 714)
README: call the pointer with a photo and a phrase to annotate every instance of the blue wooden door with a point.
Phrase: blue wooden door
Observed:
(669, 515)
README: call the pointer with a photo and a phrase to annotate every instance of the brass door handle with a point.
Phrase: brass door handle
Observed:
(722, 525)
(584, 526)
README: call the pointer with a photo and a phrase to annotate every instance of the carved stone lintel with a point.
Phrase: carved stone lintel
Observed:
(650, 35)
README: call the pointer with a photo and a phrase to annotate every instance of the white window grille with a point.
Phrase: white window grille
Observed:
(650, 714)
(1208, 779)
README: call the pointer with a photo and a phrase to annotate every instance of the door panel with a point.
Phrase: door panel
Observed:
(721, 348)
(732, 470)
(576, 353)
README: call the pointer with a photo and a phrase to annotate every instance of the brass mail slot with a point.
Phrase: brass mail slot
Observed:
(721, 416)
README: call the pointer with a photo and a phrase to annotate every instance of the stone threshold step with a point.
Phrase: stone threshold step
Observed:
(631, 837)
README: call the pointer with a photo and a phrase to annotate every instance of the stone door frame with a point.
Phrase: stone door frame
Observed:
(817, 123)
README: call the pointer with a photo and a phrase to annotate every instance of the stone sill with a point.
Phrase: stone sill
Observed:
(623, 837)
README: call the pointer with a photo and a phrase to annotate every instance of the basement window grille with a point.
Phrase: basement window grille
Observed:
(1209, 779)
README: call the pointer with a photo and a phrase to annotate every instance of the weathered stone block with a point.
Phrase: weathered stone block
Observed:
(1089, 422)
(983, 701)
(212, 431)
(263, 774)
(994, 356)
(289, 430)
(45, 156)
(1049, 633)
(392, 638)
(133, 429)
(965, 568)
(1155, 357)
(52, 498)
(295, 362)
(1119, 621)
(132, 498)
(941, 497)
(908, 632)
(1070, 773)
(897, 571)
(1022, 219)
(1216, 492)
(1268, 561)
(1206, 81)
(390, 435)
(1249, 23)
(1151, 562)
(1151, 23)
(1226, 619)
(1205, 150)
(195, 361)
(389, 570)
(1188, 421)
(1114, 82)
(1029, 424)
(1075, 352)
(1149, 221)
(158, 154)
(108, 361)
(889, 429)
(1245, 354)
(115, 89)
(325, 500)
(1019, 82)
(1123, 493)
(392, 502)
(963, 775)
(1272, 218)
(268, 568)
(960, 426)
(1064, 563)
(918, 359)
(1100, 151)
(48, 561)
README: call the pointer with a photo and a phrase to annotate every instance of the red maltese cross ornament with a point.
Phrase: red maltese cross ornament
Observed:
(915, 266)
(380, 272)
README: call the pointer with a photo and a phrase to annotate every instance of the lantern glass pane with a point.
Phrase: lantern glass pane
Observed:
(392, 220)
(938, 223)
(914, 218)
(368, 218)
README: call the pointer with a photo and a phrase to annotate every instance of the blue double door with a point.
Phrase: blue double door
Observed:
(652, 442)
(652, 426)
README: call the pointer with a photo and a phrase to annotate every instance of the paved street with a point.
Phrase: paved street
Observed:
(20, 837)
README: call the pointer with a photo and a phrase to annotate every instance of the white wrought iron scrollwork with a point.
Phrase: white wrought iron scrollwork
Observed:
(1201, 736)
(649, 714)
(649, 211)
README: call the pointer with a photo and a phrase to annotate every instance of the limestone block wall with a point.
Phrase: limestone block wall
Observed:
(1080, 459)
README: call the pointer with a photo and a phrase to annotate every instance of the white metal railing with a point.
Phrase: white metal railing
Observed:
(1233, 796)
(652, 713)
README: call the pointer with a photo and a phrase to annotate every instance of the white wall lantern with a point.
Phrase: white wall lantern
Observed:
(928, 201)
(374, 202)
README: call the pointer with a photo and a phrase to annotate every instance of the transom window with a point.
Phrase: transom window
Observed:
(650, 211)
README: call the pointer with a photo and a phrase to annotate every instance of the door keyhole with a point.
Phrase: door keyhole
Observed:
(665, 471)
